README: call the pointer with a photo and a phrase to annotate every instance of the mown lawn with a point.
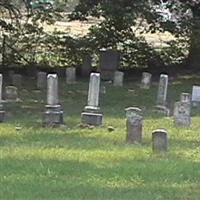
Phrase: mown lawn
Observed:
(76, 163)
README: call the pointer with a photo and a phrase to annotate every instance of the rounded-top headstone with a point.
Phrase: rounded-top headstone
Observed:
(134, 125)
(52, 89)
(159, 140)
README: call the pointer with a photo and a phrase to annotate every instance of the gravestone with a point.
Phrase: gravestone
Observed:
(11, 93)
(86, 66)
(2, 112)
(182, 112)
(162, 110)
(109, 63)
(92, 114)
(162, 90)
(53, 115)
(134, 124)
(146, 80)
(71, 75)
(195, 95)
(118, 78)
(159, 140)
(185, 98)
(17, 80)
(41, 80)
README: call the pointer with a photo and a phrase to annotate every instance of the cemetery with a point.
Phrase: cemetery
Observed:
(102, 115)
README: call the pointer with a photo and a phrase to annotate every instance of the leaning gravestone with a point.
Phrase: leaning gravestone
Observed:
(146, 80)
(118, 78)
(92, 114)
(17, 80)
(41, 80)
(134, 124)
(86, 66)
(162, 90)
(159, 140)
(71, 75)
(11, 93)
(53, 115)
(109, 63)
(195, 95)
(182, 112)
(2, 112)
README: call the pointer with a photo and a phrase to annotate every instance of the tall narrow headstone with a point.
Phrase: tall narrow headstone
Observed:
(118, 78)
(53, 115)
(71, 75)
(182, 112)
(91, 114)
(159, 140)
(2, 112)
(162, 90)
(134, 125)
(86, 66)
(109, 63)
(41, 80)
(146, 80)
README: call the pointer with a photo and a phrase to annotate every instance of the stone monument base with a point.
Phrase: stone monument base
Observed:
(53, 116)
(2, 115)
(92, 116)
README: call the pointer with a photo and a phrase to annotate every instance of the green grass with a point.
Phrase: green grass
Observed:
(86, 164)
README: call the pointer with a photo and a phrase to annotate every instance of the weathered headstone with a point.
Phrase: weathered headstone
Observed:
(41, 80)
(11, 93)
(91, 114)
(17, 80)
(182, 112)
(86, 66)
(195, 95)
(185, 98)
(2, 112)
(146, 80)
(134, 125)
(162, 90)
(162, 110)
(109, 63)
(159, 140)
(53, 115)
(118, 78)
(71, 75)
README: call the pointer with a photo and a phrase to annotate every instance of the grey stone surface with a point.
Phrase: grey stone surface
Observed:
(71, 75)
(109, 63)
(94, 88)
(185, 98)
(53, 115)
(162, 90)
(92, 114)
(118, 78)
(11, 93)
(17, 80)
(52, 89)
(162, 110)
(41, 80)
(146, 80)
(159, 140)
(182, 111)
(134, 125)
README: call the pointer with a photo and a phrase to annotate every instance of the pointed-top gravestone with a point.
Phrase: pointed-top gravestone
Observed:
(53, 115)
(91, 114)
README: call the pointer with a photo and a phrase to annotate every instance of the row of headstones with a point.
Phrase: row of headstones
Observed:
(182, 109)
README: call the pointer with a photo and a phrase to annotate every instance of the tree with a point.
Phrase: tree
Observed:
(118, 17)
